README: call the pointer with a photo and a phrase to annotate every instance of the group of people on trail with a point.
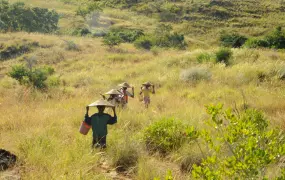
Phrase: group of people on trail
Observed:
(99, 121)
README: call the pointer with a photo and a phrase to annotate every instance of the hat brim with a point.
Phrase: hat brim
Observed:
(124, 85)
(101, 103)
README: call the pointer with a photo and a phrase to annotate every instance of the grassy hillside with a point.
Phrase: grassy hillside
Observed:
(41, 127)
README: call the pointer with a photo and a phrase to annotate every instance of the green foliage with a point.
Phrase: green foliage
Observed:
(275, 40)
(232, 40)
(162, 37)
(88, 8)
(18, 17)
(81, 31)
(204, 57)
(112, 40)
(250, 145)
(31, 77)
(195, 74)
(255, 43)
(127, 35)
(165, 135)
(144, 42)
(223, 55)
(17, 49)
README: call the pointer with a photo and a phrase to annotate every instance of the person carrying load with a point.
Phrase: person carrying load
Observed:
(125, 93)
(114, 97)
(145, 92)
(98, 122)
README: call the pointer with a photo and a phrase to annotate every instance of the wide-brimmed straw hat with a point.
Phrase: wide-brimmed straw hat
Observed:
(147, 84)
(113, 91)
(101, 103)
(124, 84)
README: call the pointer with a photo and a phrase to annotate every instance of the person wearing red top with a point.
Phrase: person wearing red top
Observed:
(125, 93)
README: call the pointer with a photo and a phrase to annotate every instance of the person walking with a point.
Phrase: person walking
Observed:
(125, 93)
(98, 122)
(114, 98)
(146, 89)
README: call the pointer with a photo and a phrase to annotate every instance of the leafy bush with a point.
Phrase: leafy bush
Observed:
(88, 8)
(17, 49)
(195, 74)
(223, 55)
(250, 145)
(232, 40)
(112, 40)
(144, 42)
(31, 77)
(275, 39)
(127, 35)
(81, 31)
(255, 43)
(204, 57)
(18, 17)
(164, 135)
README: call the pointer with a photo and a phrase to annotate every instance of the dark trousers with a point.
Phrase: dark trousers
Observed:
(99, 142)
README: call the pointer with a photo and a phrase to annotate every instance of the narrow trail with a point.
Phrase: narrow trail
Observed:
(105, 167)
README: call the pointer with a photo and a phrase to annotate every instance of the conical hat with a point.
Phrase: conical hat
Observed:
(125, 84)
(147, 84)
(101, 103)
(113, 91)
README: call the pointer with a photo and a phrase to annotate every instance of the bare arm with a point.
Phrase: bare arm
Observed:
(113, 120)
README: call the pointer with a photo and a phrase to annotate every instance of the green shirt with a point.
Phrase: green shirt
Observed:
(99, 122)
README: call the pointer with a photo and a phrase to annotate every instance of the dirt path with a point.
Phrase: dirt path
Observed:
(104, 167)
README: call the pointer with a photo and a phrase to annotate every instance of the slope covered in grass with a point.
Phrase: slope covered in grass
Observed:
(41, 127)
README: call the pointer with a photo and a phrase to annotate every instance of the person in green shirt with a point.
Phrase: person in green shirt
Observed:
(98, 122)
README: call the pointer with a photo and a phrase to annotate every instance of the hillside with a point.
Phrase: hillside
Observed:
(41, 126)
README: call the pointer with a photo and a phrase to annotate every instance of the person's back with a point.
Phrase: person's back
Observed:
(98, 122)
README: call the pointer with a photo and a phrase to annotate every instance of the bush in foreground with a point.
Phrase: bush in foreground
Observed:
(223, 55)
(251, 145)
(164, 135)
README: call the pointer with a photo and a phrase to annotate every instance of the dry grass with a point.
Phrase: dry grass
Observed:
(42, 128)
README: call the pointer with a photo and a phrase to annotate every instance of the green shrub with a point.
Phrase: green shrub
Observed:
(127, 35)
(88, 8)
(204, 57)
(31, 77)
(244, 145)
(53, 81)
(144, 42)
(195, 74)
(164, 135)
(14, 50)
(223, 56)
(112, 40)
(18, 17)
(256, 43)
(276, 39)
(81, 31)
(232, 40)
